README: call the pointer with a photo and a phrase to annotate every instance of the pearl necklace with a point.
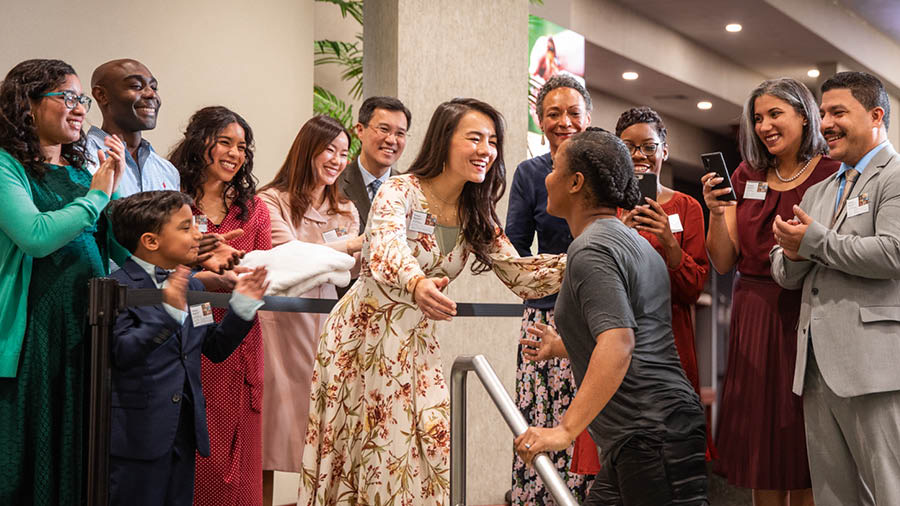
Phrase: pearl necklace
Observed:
(795, 176)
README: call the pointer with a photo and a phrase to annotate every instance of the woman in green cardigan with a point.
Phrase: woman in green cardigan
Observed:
(52, 240)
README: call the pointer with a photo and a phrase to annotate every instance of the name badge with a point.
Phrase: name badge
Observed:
(202, 223)
(201, 314)
(858, 205)
(756, 190)
(675, 223)
(422, 222)
(334, 235)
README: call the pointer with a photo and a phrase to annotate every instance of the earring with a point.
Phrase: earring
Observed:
(543, 139)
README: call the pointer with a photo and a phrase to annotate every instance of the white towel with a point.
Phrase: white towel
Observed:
(296, 267)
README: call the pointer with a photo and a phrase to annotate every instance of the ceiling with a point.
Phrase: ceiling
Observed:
(884, 15)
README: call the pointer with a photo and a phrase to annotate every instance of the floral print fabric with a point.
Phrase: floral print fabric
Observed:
(379, 406)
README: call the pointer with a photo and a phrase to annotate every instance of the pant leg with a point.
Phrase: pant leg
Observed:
(135, 482)
(641, 472)
(605, 489)
(180, 488)
(685, 462)
(835, 477)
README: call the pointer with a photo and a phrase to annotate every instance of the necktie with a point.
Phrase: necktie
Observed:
(161, 275)
(373, 189)
(851, 176)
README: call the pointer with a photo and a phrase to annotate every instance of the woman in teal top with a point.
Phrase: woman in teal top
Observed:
(50, 245)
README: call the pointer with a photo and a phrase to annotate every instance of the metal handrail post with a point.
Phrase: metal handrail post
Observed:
(514, 419)
(105, 299)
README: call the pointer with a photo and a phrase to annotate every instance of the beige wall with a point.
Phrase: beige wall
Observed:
(253, 58)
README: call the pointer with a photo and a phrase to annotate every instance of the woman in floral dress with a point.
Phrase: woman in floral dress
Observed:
(379, 407)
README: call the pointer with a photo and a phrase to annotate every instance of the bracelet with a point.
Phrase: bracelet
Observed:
(411, 285)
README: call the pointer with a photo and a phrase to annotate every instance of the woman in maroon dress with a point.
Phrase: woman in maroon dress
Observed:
(215, 160)
(761, 438)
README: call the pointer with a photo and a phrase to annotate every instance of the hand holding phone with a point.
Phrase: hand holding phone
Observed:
(648, 183)
(715, 162)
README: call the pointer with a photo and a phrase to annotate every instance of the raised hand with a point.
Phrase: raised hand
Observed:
(254, 284)
(175, 291)
(216, 255)
(715, 206)
(111, 166)
(434, 304)
(547, 344)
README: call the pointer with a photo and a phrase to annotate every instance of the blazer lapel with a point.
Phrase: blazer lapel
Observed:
(868, 174)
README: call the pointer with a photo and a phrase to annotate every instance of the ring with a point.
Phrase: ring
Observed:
(527, 446)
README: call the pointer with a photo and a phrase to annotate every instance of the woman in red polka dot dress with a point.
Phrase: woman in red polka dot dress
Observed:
(215, 160)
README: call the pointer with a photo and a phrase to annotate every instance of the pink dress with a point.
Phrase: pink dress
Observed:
(232, 475)
(290, 339)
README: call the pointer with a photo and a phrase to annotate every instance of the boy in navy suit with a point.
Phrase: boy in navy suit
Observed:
(158, 410)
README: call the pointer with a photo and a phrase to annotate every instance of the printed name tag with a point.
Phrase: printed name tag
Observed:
(201, 314)
(675, 223)
(858, 205)
(422, 222)
(756, 190)
(202, 223)
(334, 235)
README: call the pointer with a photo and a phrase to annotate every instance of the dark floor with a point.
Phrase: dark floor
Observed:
(723, 494)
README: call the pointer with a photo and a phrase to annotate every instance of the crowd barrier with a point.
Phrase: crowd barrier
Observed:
(107, 298)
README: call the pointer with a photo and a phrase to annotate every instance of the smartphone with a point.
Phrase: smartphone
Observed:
(715, 162)
(648, 185)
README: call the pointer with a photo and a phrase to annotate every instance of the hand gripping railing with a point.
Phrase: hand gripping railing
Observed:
(542, 463)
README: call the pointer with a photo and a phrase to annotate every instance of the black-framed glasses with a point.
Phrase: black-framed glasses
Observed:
(385, 131)
(71, 99)
(647, 148)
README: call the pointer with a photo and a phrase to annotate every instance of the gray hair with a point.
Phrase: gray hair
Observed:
(799, 97)
(561, 80)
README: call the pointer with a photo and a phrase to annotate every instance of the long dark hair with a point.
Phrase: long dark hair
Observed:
(27, 81)
(192, 154)
(298, 175)
(478, 201)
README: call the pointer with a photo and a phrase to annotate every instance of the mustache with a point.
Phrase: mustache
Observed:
(832, 131)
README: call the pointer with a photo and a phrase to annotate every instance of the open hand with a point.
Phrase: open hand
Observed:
(434, 304)
(175, 291)
(111, 166)
(547, 344)
(216, 254)
(254, 284)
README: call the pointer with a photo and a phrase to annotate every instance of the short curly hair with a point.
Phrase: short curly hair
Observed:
(606, 165)
(638, 115)
(561, 80)
(26, 82)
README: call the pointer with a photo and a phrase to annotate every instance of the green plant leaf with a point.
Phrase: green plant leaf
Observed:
(326, 102)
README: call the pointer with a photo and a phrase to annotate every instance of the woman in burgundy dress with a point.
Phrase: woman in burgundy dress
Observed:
(761, 438)
(215, 160)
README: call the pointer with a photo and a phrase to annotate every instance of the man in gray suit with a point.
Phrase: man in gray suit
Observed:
(382, 128)
(843, 249)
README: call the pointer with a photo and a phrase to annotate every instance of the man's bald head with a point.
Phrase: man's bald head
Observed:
(125, 91)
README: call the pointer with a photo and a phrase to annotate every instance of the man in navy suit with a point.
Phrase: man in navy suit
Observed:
(158, 408)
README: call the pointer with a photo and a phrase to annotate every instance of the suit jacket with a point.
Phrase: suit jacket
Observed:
(155, 360)
(351, 183)
(850, 305)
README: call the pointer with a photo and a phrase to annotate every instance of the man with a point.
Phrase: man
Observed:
(382, 129)
(125, 91)
(843, 249)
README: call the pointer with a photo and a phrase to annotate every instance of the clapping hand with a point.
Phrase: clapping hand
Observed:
(175, 291)
(111, 166)
(789, 234)
(254, 284)
(216, 255)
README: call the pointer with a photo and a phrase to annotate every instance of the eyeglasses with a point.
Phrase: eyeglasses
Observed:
(71, 99)
(647, 148)
(384, 131)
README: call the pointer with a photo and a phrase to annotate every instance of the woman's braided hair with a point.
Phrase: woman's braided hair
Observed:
(606, 165)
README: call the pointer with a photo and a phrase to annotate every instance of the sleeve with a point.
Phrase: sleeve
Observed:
(520, 225)
(40, 233)
(600, 288)
(263, 233)
(529, 277)
(390, 258)
(689, 277)
(282, 231)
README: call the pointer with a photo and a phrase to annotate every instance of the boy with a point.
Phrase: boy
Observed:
(158, 410)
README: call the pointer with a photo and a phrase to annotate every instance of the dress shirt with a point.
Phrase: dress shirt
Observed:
(860, 165)
(368, 177)
(149, 172)
(243, 306)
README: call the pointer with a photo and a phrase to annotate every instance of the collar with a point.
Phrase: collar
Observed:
(100, 134)
(368, 177)
(149, 268)
(863, 162)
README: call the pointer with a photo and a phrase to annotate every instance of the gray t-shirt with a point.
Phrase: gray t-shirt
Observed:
(615, 279)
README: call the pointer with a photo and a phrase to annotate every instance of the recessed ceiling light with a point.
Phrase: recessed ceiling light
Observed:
(704, 105)
(629, 76)
(733, 27)
(812, 72)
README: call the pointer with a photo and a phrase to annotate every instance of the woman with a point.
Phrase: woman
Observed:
(613, 312)
(544, 389)
(215, 160)
(761, 438)
(52, 241)
(379, 407)
(304, 205)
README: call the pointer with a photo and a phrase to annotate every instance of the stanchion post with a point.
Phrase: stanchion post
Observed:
(458, 375)
(105, 299)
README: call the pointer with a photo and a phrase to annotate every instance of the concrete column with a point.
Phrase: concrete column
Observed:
(425, 53)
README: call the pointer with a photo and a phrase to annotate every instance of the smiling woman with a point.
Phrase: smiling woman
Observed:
(215, 160)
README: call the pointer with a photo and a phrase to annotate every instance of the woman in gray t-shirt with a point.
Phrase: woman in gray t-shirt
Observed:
(614, 315)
